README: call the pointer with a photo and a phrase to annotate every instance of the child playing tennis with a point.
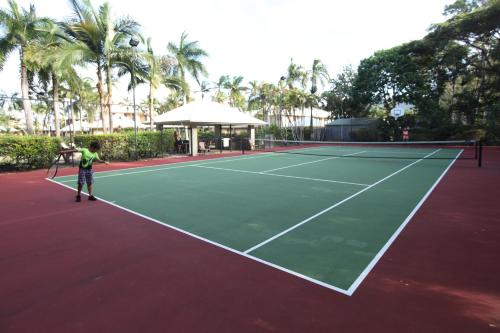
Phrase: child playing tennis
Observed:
(85, 173)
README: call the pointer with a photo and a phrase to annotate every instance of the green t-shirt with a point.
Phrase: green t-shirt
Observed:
(87, 158)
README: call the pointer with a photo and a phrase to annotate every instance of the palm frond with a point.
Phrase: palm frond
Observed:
(6, 47)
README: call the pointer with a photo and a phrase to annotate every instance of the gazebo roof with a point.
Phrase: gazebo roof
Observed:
(206, 113)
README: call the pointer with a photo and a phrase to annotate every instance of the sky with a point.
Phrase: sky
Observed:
(257, 38)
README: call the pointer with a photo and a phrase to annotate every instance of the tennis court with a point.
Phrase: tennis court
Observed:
(321, 212)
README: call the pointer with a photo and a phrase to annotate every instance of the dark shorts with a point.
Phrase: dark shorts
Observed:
(85, 176)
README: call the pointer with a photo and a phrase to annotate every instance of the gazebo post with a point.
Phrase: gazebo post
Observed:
(194, 140)
(251, 141)
(230, 138)
(186, 132)
(218, 135)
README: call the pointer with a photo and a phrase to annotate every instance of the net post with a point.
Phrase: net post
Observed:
(480, 154)
(242, 146)
(476, 148)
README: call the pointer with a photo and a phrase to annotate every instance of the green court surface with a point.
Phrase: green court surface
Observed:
(324, 219)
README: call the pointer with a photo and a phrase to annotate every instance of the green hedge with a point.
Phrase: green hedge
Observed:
(121, 146)
(27, 152)
(34, 152)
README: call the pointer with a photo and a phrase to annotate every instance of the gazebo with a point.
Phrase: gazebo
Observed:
(203, 113)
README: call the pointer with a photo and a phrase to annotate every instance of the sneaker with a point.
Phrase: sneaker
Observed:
(92, 198)
(78, 198)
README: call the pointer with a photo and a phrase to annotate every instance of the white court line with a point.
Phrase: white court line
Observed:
(283, 269)
(335, 205)
(316, 161)
(278, 175)
(382, 251)
(175, 166)
(387, 149)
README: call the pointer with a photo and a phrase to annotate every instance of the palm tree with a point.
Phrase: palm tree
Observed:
(86, 99)
(116, 45)
(220, 97)
(296, 73)
(158, 70)
(318, 74)
(87, 39)
(173, 101)
(41, 54)
(189, 57)
(99, 40)
(254, 97)
(269, 97)
(178, 86)
(20, 29)
(204, 88)
(154, 77)
(234, 87)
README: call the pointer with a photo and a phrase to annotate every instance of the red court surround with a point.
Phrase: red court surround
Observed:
(89, 267)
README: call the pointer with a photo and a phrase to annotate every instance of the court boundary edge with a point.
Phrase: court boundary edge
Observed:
(354, 286)
(296, 274)
(361, 277)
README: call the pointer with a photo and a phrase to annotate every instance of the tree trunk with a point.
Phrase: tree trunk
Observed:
(25, 94)
(55, 104)
(311, 123)
(101, 97)
(151, 92)
(72, 121)
(109, 97)
(80, 117)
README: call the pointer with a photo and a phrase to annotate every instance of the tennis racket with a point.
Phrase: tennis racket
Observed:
(67, 156)
(54, 167)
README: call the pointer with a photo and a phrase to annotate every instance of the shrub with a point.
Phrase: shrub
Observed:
(32, 152)
(121, 146)
(27, 152)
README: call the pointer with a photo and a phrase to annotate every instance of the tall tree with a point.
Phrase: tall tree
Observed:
(189, 58)
(116, 46)
(41, 54)
(87, 99)
(19, 28)
(340, 98)
(254, 97)
(151, 69)
(463, 6)
(296, 74)
(318, 74)
(204, 88)
(173, 100)
(475, 26)
(235, 90)
(220, 96)
(97, 39)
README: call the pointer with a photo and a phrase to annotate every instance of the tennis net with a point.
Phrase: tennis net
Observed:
(466, 149)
